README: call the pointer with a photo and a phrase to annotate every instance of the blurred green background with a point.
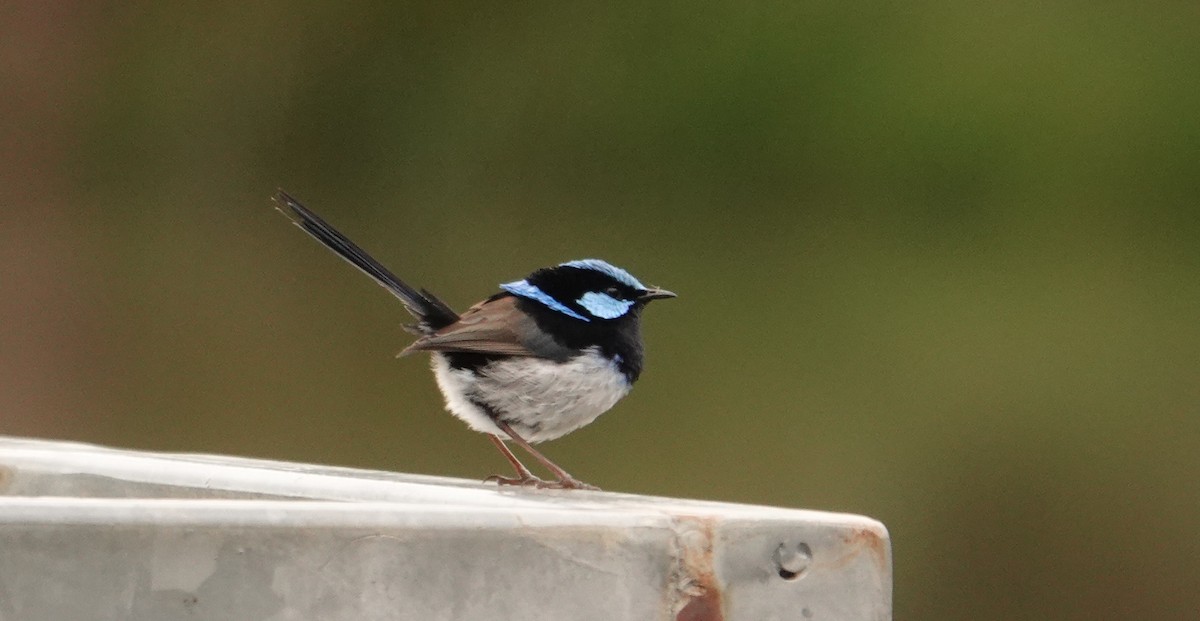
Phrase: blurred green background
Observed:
(937, 261)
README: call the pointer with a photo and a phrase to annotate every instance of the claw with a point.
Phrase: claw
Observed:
(532, 481)
(572, 483)
(526, 481)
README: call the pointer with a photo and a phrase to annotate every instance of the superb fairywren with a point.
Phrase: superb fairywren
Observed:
(534, 362)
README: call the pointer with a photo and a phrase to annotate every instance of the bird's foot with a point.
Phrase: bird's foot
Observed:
(523, 481)
(532, 481)
(571, 483)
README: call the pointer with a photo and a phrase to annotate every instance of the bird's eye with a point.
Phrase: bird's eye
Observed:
(613, 292)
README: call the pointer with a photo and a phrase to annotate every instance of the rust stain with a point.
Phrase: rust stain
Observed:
(696, 595)
(866, 540)
(703, 608)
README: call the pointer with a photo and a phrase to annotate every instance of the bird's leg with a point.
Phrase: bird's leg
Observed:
(565, 480)
(524, 476)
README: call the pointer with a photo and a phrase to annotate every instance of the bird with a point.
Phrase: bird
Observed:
(544, 356)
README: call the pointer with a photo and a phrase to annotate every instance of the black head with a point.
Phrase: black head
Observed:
(587, 290)
(589, 303)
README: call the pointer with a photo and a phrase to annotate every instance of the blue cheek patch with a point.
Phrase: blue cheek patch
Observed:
(523, 289)
(603, 305)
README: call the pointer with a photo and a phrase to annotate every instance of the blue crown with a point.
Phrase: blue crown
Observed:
(597, 303)
(605, 267)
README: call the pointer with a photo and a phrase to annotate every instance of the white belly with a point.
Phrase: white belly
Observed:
(541, 399)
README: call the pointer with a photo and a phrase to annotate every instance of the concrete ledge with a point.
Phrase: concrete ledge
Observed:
(94, 533)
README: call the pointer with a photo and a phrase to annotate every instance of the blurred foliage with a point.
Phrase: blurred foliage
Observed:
(937, 261)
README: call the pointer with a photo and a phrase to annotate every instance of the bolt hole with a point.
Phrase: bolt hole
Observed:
(792, 561)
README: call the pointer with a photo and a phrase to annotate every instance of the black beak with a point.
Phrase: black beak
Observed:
(655, 294)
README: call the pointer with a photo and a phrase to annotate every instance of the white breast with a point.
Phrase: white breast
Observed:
(541, 399)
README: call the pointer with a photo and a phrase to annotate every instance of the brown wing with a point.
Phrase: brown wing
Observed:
(494, 326)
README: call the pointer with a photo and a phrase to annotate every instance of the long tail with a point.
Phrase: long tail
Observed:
(431, 313)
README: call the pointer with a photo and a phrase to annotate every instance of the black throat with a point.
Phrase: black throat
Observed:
(618, 339)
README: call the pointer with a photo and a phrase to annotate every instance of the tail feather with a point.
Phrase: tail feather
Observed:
(431, 313)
